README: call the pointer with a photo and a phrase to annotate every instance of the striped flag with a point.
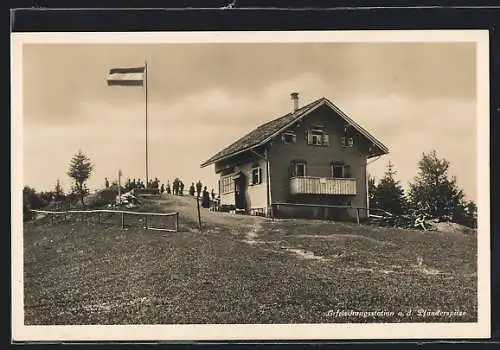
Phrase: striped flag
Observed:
(126, 76)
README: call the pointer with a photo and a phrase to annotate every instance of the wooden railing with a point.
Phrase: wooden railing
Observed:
(322, 185)
(96, 215)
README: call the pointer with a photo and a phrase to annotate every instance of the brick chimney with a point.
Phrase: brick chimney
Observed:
(295, 99)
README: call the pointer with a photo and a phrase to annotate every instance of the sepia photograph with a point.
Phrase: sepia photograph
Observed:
(280, 185)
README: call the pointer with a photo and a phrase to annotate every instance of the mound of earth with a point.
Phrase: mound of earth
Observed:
(453, 227)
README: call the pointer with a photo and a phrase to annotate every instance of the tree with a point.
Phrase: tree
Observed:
(58, 191)
(31, 199)
(433, 192)
(466, 214)
(372, 187)
(389, 195)
(471, 214)
(80, 169)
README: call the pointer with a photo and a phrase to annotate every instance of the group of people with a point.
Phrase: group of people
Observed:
(135, 183)
(197, 189)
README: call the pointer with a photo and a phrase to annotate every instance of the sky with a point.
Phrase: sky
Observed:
(413, 97)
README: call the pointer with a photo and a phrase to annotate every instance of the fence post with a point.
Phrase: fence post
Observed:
(199, 215)
(123, 221)
(177, 222)
(51, 219)
(357, 215)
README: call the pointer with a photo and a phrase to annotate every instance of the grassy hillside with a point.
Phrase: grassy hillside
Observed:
(242, 269)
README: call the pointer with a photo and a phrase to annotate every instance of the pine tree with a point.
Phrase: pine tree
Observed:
(58, 191)
(80, 169)
(372, 187)
(433, 192)
(389, 194)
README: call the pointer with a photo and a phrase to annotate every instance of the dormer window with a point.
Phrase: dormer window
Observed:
(317, 137)
(347, 142)
(288, 138)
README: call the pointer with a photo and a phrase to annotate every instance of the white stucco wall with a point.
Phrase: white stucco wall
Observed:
(256, 195)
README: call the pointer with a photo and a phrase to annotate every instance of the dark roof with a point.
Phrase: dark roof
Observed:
(264, 132)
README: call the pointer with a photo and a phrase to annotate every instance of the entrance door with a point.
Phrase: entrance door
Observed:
(240, 191)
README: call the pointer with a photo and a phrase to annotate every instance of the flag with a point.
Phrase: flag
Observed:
(126, 76)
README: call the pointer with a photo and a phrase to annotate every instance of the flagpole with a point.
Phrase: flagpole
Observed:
(146, 93)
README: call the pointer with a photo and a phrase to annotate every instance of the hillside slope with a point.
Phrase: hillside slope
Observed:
(242, 269)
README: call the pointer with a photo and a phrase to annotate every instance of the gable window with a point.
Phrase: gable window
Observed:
(298, 168)
(347, 141)
(227, 184)
(256, 174)
(340, 170)
(317, 137)
(288, 138)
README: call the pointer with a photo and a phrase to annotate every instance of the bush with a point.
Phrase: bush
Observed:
(103, 197)
(31, 199)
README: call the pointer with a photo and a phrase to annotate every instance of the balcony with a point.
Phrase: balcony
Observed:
(323, 185)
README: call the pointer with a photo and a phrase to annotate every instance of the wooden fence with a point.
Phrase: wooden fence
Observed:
(99, 216)
(323, 210)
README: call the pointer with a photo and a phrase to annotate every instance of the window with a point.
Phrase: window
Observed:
(347, 141)
(341, 170)
(337, 170)
(227, 185)
(256, 174)
(317, 137)
(288, 138)
(298, 168)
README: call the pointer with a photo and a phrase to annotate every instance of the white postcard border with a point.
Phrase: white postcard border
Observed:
(481, 329)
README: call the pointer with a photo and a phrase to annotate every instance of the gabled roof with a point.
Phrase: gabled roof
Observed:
(267, 131)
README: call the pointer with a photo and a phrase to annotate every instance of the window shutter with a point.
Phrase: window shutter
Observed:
(350, 142)
(282, 138)
(347, 171)
(260, 175)
(326, 140)
(294, 139)
(309, 138)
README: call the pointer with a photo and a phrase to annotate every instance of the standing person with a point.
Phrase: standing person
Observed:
(181, 188)
(168, 187)
(213, 195)
(217, 203)
(162, 189)
(198, 187)
(191, 189)
(156, 185)
(106, 182)
(175, 186)
(205, 199)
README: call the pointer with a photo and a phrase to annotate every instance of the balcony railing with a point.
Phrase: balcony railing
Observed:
(322, 185)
